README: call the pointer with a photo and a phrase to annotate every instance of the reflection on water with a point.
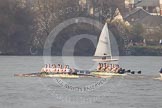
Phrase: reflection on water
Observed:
(132, 91)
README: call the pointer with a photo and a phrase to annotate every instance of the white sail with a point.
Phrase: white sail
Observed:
(104, 45)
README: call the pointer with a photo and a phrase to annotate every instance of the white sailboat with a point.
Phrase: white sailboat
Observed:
(104, 53)
(103, 50)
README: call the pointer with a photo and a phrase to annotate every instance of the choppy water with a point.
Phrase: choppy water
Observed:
(138, 91)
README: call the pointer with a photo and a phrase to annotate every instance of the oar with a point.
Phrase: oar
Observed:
(133, 72)
(139, 72)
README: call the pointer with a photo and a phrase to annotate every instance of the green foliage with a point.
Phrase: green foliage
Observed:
(27, 24)
(15, 27)
(153, 35)
(136, 33)
(146, 50)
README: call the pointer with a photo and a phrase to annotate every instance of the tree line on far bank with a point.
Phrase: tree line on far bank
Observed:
(25, 25)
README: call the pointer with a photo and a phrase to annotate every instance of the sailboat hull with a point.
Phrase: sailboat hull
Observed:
(105, 60)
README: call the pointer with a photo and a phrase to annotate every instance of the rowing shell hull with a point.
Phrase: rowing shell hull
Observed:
(48, 75)
(107, 74)
(61, 76)
(27, 75)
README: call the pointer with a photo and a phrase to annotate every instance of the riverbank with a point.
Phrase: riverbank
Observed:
(146, 50)
(134, 51)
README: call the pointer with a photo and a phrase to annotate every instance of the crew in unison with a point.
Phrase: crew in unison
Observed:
(56, 69)
(104, 67)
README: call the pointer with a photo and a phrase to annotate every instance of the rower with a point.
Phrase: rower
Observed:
(64, 69)
(107, 68)
(110, 68)
(68, 70)
(58, 68)
(99, 67)
(53, 69)
(104, 66)
(114, 69)
(48, 68)
(44, 68)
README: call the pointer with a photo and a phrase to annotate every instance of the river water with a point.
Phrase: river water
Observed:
(132, 91)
